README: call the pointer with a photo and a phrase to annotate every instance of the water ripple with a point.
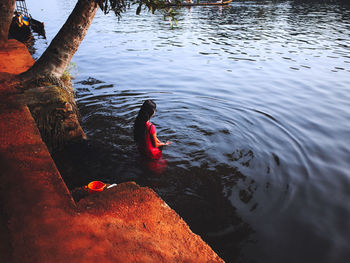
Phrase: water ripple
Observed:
(255, 98)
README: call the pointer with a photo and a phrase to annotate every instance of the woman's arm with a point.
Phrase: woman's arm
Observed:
(157, 142)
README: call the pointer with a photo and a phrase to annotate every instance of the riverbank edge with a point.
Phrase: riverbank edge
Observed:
(126, 223)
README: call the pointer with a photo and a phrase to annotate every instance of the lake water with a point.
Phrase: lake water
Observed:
(255, 97)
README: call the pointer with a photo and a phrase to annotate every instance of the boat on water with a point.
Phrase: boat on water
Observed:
(23, 24)
(197, 3)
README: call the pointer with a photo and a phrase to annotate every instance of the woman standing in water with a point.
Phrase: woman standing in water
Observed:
(145, 132)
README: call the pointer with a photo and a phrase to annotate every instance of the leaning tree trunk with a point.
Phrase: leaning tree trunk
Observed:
(58, 55)
(7, 8)
(49, 95)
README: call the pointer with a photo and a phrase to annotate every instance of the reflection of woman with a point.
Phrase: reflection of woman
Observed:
(145, 132)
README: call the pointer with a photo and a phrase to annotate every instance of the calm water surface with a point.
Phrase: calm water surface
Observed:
(255, 97)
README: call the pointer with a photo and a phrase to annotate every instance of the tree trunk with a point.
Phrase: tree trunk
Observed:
(7, 8)
(55, 113)
(58, 55)
(49, 98)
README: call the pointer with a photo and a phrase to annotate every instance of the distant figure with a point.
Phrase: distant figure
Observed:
(145, 132)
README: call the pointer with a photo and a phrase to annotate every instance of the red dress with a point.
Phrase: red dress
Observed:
(150, 150)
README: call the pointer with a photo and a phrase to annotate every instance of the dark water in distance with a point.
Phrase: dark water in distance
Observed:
(255, 97)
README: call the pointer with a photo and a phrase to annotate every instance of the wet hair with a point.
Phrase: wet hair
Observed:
(148, 108)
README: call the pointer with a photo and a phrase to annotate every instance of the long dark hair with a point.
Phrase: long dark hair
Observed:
(148, 108)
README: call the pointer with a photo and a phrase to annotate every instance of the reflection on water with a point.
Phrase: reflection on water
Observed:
(255, 98)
